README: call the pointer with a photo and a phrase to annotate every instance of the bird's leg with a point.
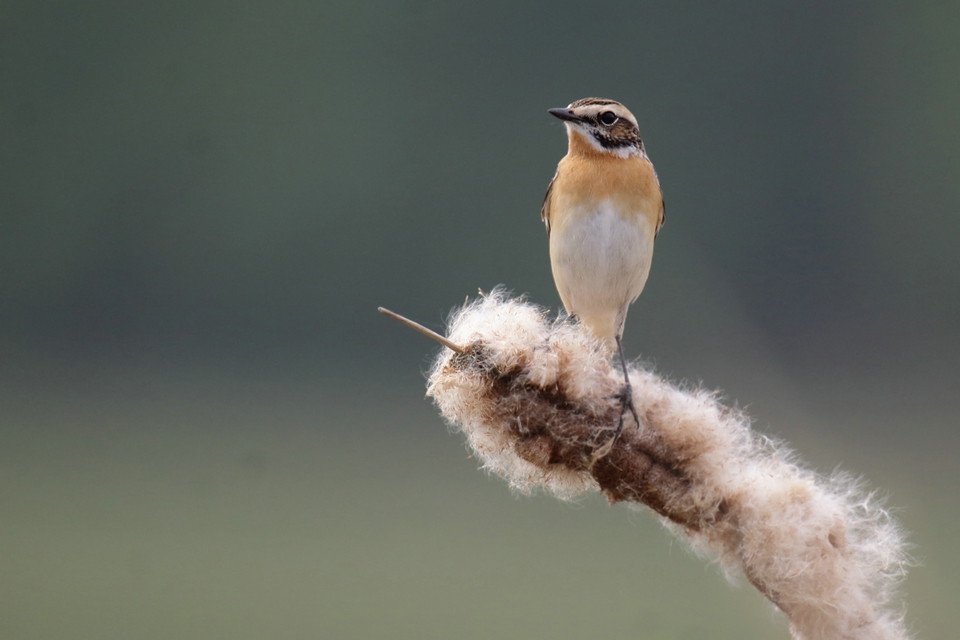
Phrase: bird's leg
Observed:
(625, 395)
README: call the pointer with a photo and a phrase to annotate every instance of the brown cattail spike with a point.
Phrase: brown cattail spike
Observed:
(535, 400)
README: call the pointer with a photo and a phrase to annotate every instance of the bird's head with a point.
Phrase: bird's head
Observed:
(606, 125)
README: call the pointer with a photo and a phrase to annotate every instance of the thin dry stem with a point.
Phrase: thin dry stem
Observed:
(422, 329)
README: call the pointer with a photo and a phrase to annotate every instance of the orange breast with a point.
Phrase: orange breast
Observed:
(587, 176)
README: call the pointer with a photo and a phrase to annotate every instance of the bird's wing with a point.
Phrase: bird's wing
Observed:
(663, 218)
(545, 209)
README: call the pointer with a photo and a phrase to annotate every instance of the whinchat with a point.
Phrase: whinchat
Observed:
(603, 210)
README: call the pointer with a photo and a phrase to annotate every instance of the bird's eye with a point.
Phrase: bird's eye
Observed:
(607, 118)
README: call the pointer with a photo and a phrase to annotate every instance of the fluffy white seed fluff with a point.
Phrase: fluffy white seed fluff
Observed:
(534, 399)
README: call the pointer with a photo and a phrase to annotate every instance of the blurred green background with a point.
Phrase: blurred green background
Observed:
(207, 431)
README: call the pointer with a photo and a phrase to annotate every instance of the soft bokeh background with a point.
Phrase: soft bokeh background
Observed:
(206, 430)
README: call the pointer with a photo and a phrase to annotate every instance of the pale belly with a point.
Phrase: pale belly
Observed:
(600, 262)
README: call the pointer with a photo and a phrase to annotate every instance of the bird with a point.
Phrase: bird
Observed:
(603, 210)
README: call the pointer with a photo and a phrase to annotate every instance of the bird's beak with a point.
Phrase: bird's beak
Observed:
(565, 115)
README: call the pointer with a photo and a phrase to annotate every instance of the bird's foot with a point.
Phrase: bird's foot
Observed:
(625, 396)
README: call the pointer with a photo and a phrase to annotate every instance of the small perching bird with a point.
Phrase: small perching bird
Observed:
(603, 210)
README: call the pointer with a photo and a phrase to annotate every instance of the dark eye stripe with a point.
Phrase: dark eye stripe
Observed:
(610, 142)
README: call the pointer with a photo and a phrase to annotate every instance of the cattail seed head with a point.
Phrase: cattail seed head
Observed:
(536, 400)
